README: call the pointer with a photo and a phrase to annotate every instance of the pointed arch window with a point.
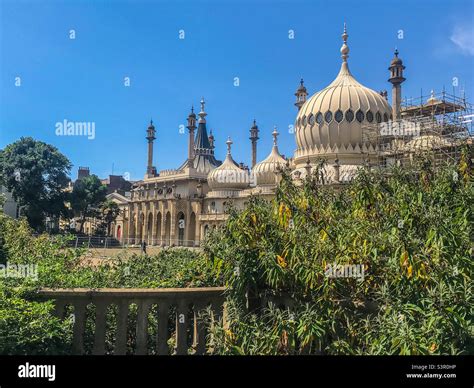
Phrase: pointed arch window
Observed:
(339, 116)
(328, 116)
(378, 117)
(360, 116)
(350, 115)
(369, 116)
(319, 118)
(311, 119)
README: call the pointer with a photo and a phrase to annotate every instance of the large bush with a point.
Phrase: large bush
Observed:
(408, 228)
(27, 324)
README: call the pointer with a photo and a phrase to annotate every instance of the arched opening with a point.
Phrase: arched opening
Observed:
(181, 226)
(149, 229)
(167, 229)
(158, 229)
(192, 230)
(141, 222)
(118, 233)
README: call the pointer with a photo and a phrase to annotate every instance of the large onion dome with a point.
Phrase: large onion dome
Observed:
(331, 121)
(228, 176)
(265, 172)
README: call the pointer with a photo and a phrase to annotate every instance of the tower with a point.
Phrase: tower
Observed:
(191, 128)
(150, 136)
(301, 94)
(396, 78)
(253, 138)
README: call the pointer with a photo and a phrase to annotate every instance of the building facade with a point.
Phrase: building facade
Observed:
(177, 207)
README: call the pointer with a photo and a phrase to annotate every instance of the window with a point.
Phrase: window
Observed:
(338, 116)
(378, 117)
(319, 118)
(311, 119)
(350, 115)
(328, 116)
(369, 116)
(385, 117)
(304, 120)
(360, 116)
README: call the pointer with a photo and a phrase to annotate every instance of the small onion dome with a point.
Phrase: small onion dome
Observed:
(265, 172)
(228, 176)
(396, 60)
(432, 100)
(426, 143)
(192, 114)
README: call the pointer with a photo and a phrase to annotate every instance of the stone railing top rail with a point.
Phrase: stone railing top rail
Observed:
(133, 292)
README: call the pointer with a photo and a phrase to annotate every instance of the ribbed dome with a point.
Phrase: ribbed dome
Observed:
(264, 172)
(228, 176)
(330, 122)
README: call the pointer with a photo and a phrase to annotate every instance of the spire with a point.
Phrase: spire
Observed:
(202, 140)
(345, 47)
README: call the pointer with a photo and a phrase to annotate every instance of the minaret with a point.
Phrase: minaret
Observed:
(150, 136)
(396, 78)
(191, 128)
(301, 94)
(253, 138)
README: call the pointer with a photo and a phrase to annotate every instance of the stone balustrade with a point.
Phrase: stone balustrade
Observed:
(175, 310)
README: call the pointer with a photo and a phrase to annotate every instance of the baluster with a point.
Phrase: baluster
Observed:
(121, 339)
(59, 308)
(162, 334)
(100, 327)
(79, 326)
(142, 327)
(199, 329)
(181, 327)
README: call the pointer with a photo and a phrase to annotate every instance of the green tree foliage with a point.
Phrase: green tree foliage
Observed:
(87, 197)
(109, 211)
(36, 173)
(409, 228)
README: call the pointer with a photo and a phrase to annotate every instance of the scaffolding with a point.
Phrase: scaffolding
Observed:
(438, 125)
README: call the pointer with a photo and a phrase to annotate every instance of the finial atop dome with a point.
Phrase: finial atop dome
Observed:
(202, 113)
(275, 135)
(344, 48)
(229, 144)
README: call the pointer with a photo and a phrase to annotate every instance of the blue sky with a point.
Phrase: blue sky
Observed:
(82, 79)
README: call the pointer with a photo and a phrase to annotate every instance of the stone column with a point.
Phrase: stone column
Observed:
(173, 237)
(153, 226)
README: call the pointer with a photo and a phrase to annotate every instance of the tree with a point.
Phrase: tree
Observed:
(87, 197)
(36, 174)
(109, 212)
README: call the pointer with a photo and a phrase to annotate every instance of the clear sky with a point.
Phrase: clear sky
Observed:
(83, 79)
